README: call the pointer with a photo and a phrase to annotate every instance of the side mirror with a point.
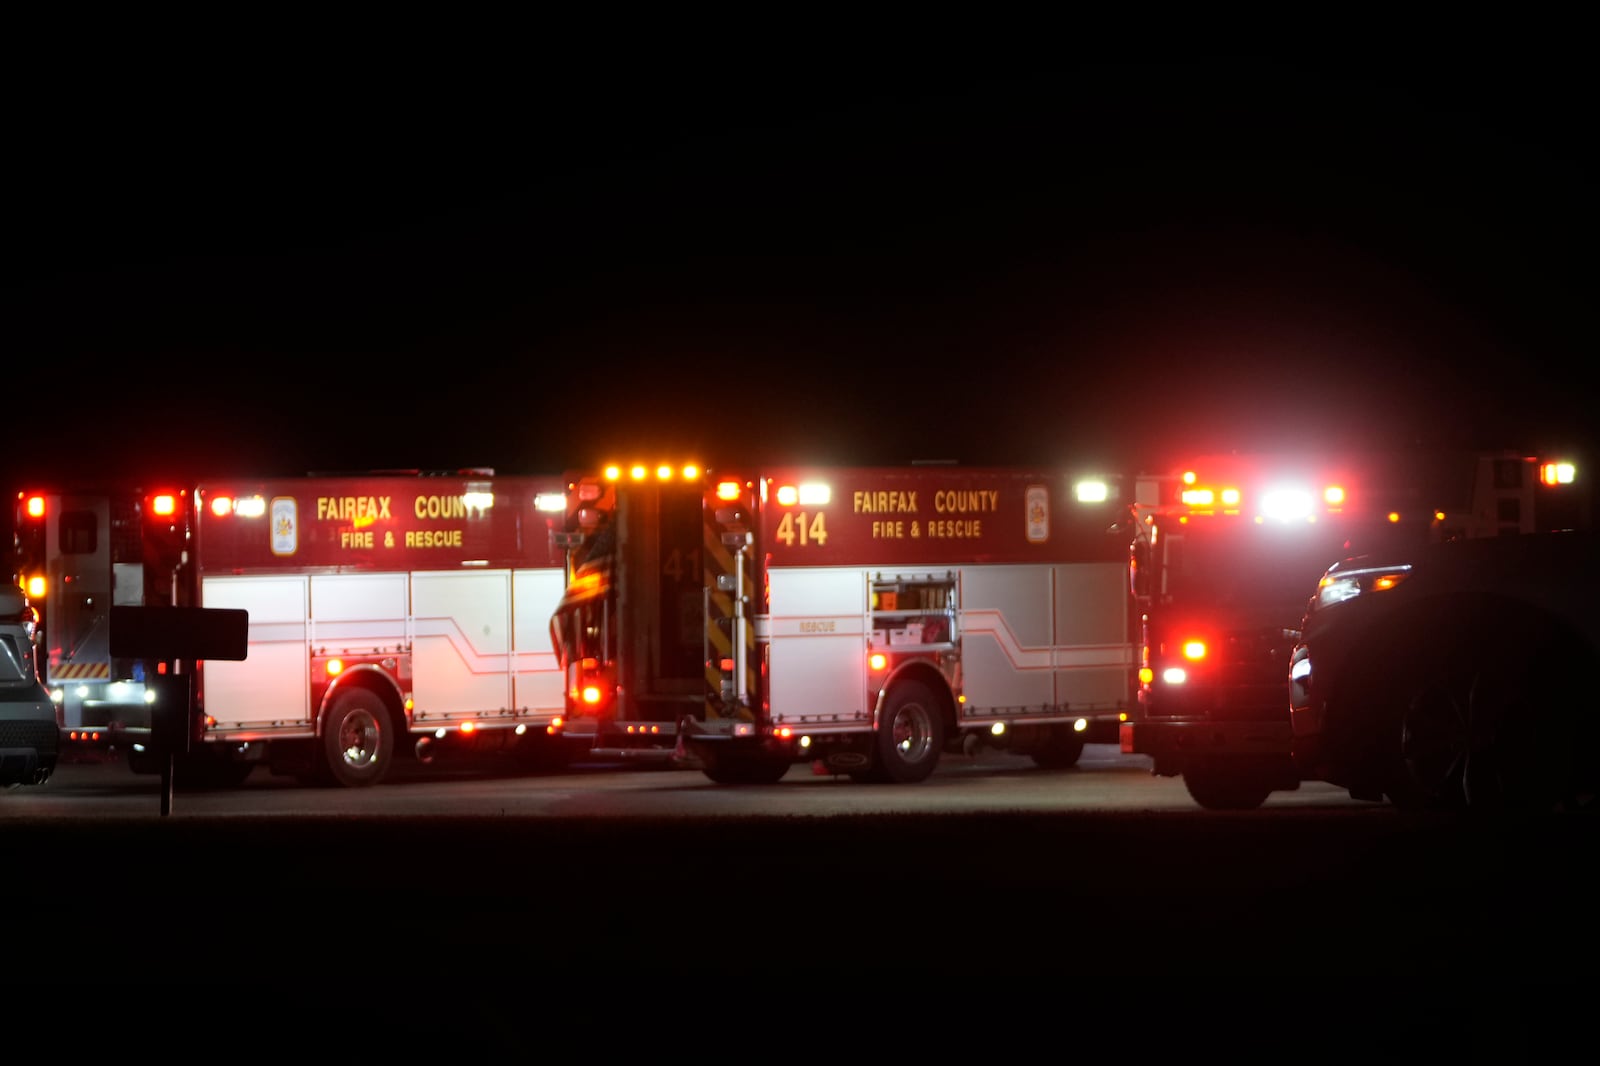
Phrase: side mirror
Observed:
(1139, 569)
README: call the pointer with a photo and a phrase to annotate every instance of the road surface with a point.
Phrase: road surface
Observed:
(643, 895)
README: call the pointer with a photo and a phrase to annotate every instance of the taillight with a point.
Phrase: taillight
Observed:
(589, 684)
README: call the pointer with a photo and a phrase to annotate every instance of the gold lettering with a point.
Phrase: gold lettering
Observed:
(883, 501)
(956, 529)
(434, 538)
(440, 507)
(352, 508)
(966, 501)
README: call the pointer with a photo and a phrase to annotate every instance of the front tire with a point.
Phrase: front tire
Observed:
(1491, 722)
(358, 739)
(1223, 784)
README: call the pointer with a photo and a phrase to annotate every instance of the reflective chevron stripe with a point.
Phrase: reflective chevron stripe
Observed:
(722, 702)
(80, 671)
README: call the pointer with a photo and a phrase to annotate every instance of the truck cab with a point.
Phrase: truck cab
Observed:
(1222, 558)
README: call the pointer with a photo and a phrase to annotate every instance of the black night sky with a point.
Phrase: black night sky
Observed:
(238, 252)
(271, 268)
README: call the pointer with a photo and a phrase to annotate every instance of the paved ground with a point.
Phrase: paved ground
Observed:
(782, 922)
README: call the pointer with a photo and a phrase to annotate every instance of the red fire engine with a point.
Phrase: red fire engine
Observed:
(380, 606)
(867, 620)
(1228, 551)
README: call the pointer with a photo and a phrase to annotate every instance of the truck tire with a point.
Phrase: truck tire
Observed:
(1061, 749)
(910, 735)
(741, 767)
(1224, 784)
(358, 739)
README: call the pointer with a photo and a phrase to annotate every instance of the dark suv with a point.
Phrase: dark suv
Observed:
(29, 734)
(1455, 675)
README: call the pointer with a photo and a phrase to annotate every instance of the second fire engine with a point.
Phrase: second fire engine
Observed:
(866, 620)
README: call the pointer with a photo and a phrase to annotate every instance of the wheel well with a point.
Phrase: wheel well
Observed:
(371, 681)
(928, 674)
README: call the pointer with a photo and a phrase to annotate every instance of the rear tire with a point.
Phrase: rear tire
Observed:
(1061, 749)
(741, 767)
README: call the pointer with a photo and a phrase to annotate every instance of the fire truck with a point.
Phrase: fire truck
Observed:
(865, 620)
(1227, 552)
(381, 607)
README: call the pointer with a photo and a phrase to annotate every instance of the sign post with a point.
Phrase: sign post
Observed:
(179, 637)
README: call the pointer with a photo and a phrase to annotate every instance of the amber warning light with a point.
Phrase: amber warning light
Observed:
(1558, 473)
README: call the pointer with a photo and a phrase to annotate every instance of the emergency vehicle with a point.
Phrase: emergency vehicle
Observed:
(1225, 555)
(866, 620)
(381, 607)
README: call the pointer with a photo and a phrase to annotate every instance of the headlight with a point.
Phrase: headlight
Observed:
(1337, 586)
